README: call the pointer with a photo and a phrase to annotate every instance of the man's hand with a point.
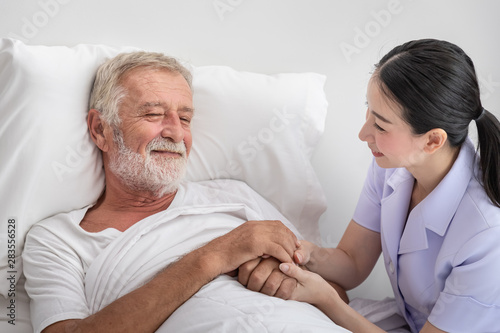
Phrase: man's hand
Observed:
(263, 275)
(249, 241)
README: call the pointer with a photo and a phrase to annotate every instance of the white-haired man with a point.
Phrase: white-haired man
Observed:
(141, 109)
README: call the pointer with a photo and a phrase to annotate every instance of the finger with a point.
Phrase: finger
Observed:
(273, 282)
(277, 251)
(298, 257)
(246, 269)
(261, 274)
(286, 288)
(302, 255)
(292, 271)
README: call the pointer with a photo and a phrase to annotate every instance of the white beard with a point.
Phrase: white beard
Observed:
(159, 175)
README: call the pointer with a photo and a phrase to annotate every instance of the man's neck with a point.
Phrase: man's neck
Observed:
(119, 207)
(126, 201)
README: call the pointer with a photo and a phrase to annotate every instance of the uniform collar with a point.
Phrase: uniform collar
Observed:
(436, 211)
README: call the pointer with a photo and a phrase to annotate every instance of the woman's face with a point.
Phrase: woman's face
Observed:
(388, 136)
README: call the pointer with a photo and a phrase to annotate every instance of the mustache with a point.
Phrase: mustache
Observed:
(166, 145)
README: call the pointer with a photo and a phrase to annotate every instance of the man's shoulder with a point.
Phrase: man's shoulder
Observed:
(58, 223)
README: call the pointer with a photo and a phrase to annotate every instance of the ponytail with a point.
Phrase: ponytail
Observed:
(488, 128)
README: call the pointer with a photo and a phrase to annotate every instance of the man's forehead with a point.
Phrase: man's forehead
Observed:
(151, 81)
(144, 73)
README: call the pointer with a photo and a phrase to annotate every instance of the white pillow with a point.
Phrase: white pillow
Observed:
(257, 128)
(261, 129)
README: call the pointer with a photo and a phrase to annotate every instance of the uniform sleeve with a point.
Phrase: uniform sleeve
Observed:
(367, 212)
(54, 279)
(470, 301)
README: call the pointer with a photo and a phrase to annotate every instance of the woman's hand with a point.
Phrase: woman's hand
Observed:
(303, 254)
(311, 287)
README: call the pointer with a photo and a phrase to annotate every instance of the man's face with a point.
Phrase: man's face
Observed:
(154, 139)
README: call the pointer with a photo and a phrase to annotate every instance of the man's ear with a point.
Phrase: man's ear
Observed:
(435, 139)
(96, 129)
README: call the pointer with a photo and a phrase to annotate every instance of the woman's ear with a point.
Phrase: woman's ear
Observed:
(96, 129)
(435, 139)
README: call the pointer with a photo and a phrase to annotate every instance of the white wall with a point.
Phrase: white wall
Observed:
(282, 36)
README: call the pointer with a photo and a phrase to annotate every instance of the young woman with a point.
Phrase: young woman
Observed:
(430, 203)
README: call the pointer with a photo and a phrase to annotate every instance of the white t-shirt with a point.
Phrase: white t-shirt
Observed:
(58, 252)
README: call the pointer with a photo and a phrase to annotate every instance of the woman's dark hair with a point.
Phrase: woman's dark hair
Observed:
(436, 85)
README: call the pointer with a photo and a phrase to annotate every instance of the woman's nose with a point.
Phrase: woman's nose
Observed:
(365, 131)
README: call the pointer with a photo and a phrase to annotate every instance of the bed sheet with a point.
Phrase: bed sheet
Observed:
(224, 305)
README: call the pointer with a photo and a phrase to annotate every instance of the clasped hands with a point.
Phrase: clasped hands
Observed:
(281, 272)
(263, 274)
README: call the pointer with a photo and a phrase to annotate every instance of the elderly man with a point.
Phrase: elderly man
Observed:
(150, 242)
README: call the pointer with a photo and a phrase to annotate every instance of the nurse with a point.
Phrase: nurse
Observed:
(430, 203)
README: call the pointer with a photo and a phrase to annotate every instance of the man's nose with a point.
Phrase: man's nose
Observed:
(172, 127)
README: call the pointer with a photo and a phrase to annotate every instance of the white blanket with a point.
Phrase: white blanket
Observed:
(221, 306)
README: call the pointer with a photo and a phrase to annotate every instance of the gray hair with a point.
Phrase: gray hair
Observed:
(107, 91)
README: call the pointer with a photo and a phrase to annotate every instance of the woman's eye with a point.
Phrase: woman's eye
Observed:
(378, 128)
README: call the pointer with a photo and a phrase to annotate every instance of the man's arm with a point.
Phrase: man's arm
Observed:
(146, 308)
